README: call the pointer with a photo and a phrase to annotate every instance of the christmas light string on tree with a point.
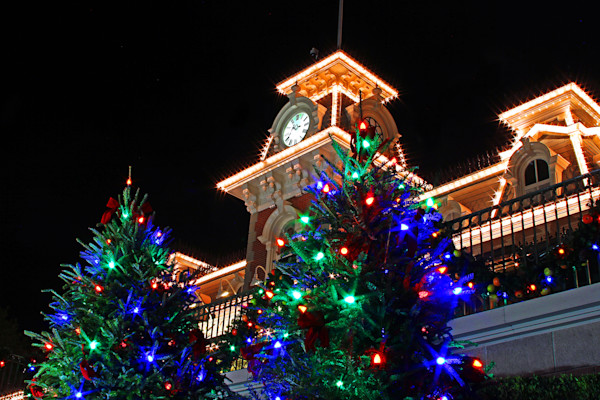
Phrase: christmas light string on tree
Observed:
(124, 327)
(361, 311)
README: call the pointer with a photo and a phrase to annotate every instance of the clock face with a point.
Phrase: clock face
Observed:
(296, 129)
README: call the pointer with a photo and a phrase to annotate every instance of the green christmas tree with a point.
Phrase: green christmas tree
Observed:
(124, 328)
(361, 310)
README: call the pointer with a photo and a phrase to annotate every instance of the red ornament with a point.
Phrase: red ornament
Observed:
(87, 370)
(234, 332)
(249, 353)
(587, 219)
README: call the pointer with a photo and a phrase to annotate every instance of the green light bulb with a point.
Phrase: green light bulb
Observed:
(111, 265)
(429, 202)
(349, 299)
(296, 294)
(339, 384)
(93, 345)
(232, 348)
(319, 256)
(305, 219)
(366, 144)
(355, 175)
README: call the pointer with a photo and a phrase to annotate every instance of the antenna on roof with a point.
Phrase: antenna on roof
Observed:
(340, 19)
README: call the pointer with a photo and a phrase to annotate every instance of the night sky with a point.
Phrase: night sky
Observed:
(184, 91)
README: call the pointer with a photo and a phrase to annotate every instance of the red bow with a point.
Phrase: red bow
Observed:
(145, 209)
(198, 343)
(87, 370)
(315, 322)
(112, 207)
(36, 391)
(249, 353)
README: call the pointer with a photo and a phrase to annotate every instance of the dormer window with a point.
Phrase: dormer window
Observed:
(536, 171)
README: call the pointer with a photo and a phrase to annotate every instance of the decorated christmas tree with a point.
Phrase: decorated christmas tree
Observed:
(123, 327)
(360, 309)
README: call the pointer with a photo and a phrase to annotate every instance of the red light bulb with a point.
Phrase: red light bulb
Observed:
(362, 126)
(477, 363)
(141, 220)
(98, 288)
(326, 188)
(302, 308)
(377, 359)
(49, 346)
(168, 385)
(369, 200)
(269, 294)
(344, 251)
(280, 242)
(129, 182)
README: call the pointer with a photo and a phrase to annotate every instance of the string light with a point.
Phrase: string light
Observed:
(369, 200)
(344, 251)
(349, 299)
(280, 242)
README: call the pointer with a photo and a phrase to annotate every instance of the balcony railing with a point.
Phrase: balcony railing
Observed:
(216, 319)
(525, 231)
(522, 230)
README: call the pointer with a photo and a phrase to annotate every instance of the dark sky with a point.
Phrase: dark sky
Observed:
(185, 92)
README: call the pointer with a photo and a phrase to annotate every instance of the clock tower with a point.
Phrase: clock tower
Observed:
(326, 102)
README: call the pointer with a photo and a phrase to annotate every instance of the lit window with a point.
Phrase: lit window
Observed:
(536, 171)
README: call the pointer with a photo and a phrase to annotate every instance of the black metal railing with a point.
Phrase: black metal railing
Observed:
(526, 232)
(216, 319)
(523, 229)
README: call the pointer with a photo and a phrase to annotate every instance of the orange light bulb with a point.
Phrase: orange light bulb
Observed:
(362, 126)
(269, 294)
(129, 182)
(326, 188)
(561, 251)
(477, 363)
(302, 308)
(377, 359)
(442, 270)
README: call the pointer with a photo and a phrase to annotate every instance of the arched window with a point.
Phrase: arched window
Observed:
(536, 171)
(288, 231)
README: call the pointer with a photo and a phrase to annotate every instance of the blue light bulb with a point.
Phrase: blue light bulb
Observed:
(440, 360)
